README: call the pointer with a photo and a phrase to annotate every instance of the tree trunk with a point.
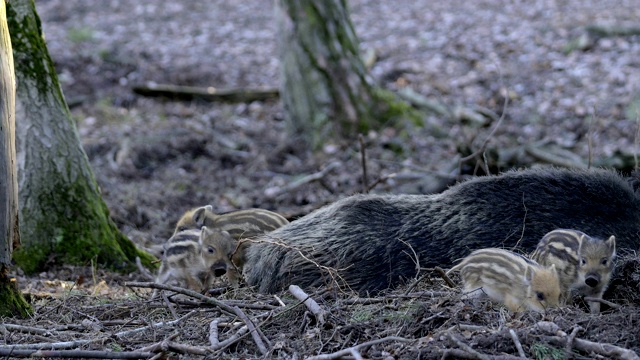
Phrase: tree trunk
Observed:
(326, 90)
(11, 301)
(62, 215)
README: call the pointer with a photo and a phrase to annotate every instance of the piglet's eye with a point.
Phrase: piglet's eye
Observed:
(583, 261)
(604, 262)
(182, 228)
(211, 250)
(540, 296)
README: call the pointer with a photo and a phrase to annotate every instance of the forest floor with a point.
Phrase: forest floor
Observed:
(572, 92)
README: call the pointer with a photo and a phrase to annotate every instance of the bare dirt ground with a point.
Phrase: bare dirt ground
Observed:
(155, 158)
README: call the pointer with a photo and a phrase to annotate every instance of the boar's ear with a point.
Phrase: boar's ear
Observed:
(611, 243)
(199, 215)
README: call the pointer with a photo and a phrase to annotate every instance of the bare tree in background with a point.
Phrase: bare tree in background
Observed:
(63, 218)
(11, 300)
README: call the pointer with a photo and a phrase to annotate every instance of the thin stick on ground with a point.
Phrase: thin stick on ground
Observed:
(183, 291)
(232, 339)
(252, 329)
(348, 351)
(483, 147)
(27, 329)
(363, 159)
(123, 334)
(158, 346)
(274, 192)
(445, 277)
(517, 343)
(333, 272)
(467, 348)
(602, 301)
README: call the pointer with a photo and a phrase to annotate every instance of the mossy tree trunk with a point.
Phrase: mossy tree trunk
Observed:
(325, 87)
(63, 218)
(11, 301)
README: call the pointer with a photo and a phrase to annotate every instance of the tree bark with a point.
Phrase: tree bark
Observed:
(325, 89)
(62, 215)
(11, 301)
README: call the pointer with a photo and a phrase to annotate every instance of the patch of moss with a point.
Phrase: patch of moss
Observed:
(12, 303)
(30, 54)
(75, 230)
(391, 109)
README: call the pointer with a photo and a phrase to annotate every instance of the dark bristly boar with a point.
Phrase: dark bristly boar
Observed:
(375, 242)
(584, 263)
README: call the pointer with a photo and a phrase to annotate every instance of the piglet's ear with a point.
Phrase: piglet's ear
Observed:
(528, 275)
(204, 232)
(199, 215)
(611, 243)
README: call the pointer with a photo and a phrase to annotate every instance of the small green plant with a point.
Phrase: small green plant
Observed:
(361, 315)
(543, 352)
(115, 347)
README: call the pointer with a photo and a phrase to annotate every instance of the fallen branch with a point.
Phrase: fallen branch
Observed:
(467, 348)
(560, 338)
(603, 301)
(186, 349)
(605, 31)
(569, 346)
(423, 102)
(461, 354)
(143, 270)
(348, 351)
(48, 345)
(213, 333)
(75, 354)
(183, 291)
(275, 191)
(594, 347)
(207, 94)
(252, 330)
(558, 157)
(26, 329)
(311, 304)
(232, 339)
(158, 346)
(445, 277)
(127, 333)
